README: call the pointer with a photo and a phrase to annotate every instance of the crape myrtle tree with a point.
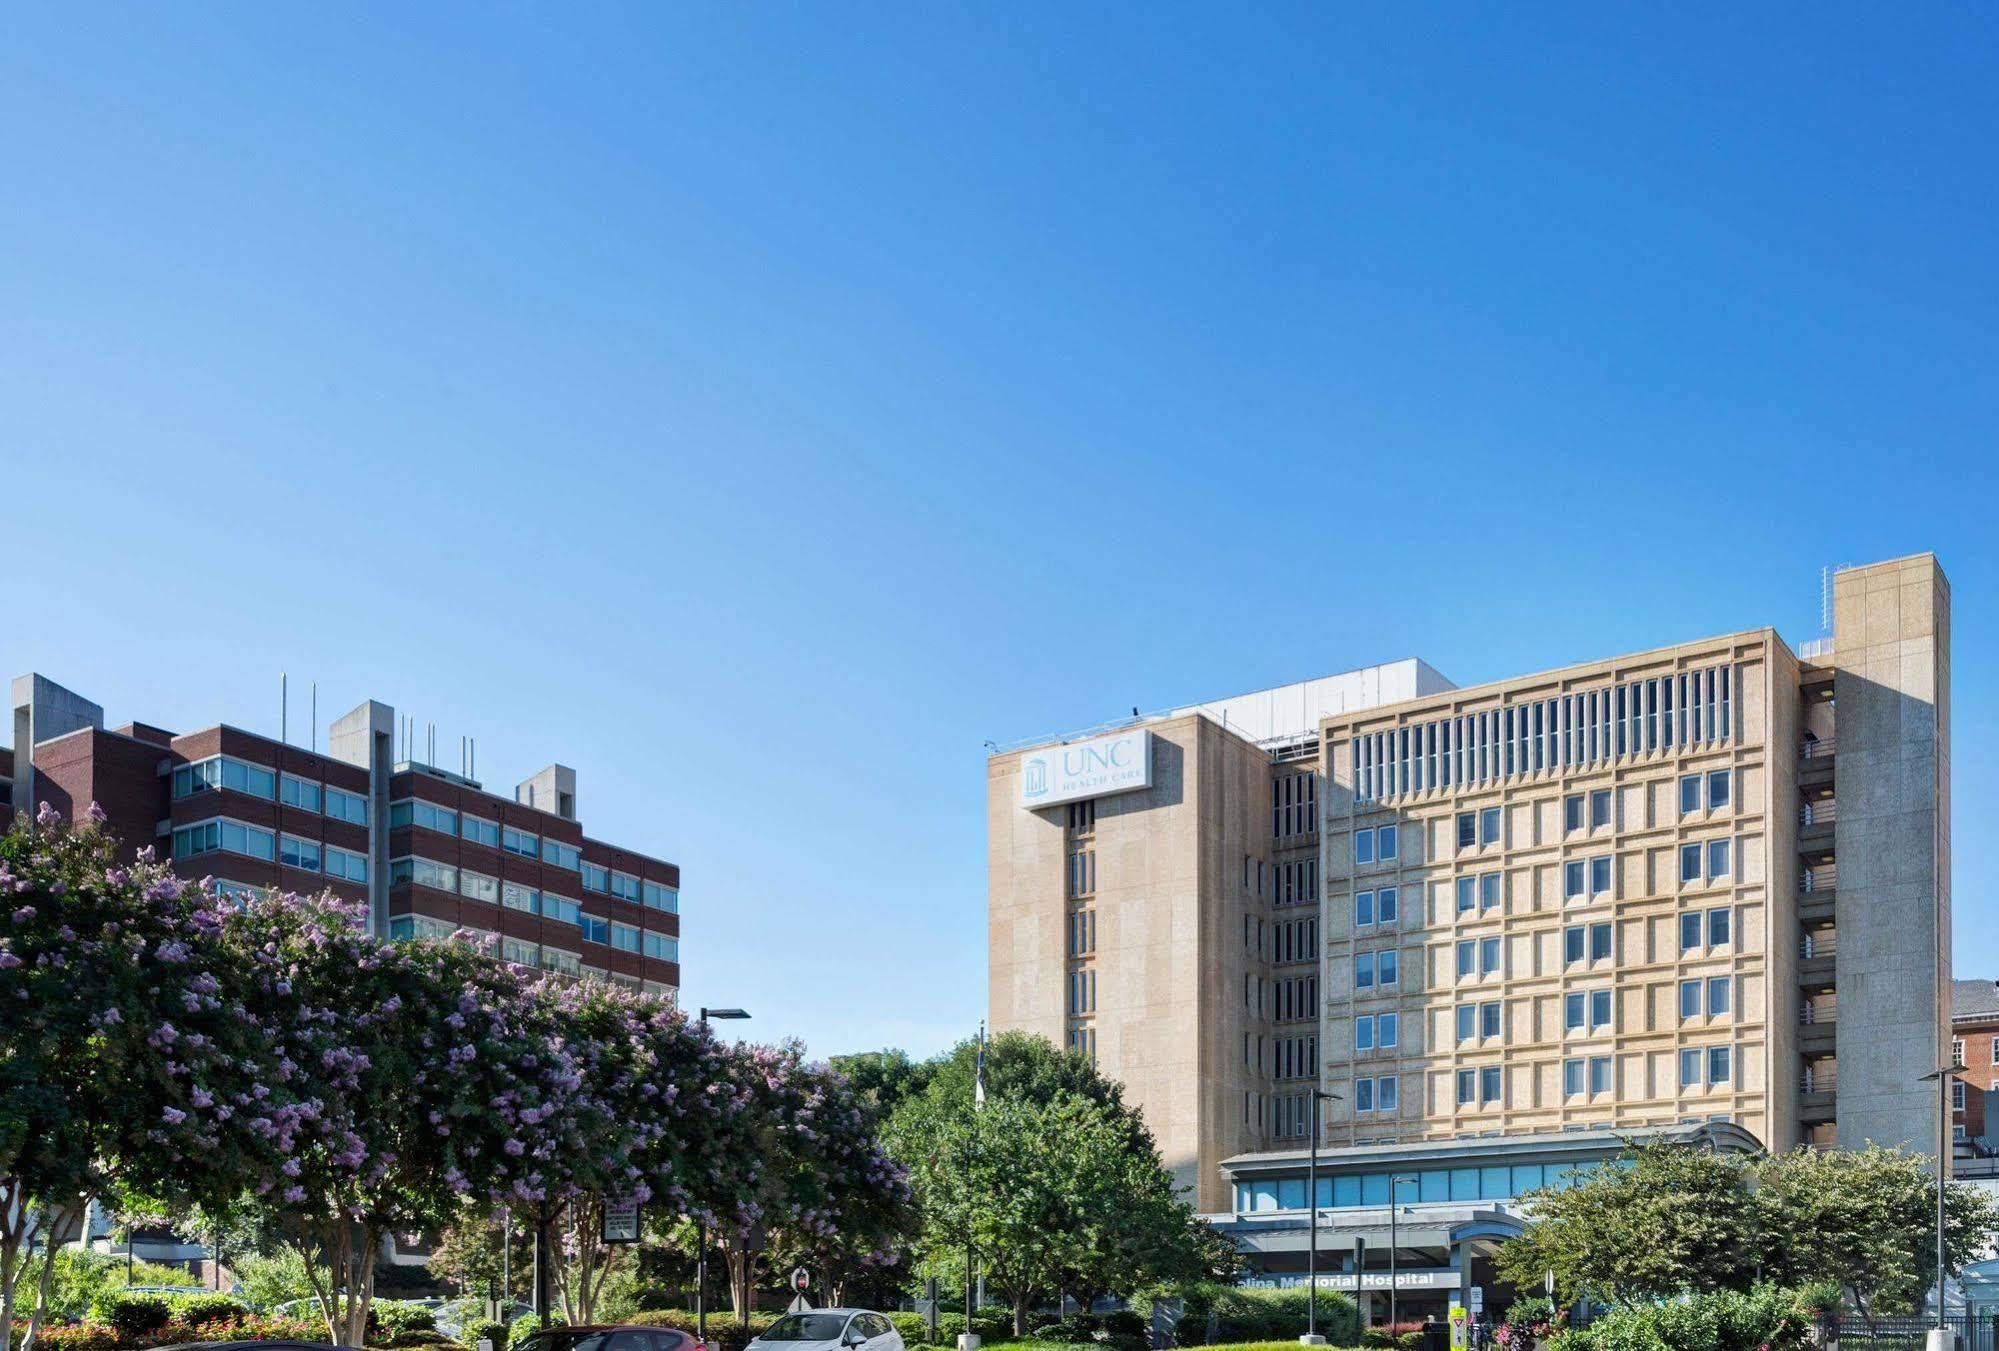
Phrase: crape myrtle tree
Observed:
(388, 1060)
(811, 1183)
(829, 1196)
(128, 1063)
(641, 1126)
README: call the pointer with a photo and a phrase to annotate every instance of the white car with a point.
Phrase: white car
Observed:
(829, 1330)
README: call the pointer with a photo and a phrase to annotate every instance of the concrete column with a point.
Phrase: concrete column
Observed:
(366, 737)
(43, 710)
(1891, 688)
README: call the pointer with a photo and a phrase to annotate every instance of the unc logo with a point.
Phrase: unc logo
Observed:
(1034, 778)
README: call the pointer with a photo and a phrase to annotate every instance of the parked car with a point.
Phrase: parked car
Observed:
(613, 1337)
(830, 1330)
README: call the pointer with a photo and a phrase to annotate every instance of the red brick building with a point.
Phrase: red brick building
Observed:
(1974, 1031)
(429, 850)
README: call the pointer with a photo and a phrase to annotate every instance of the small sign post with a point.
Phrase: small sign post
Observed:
(621, 1220)
(801, 1281)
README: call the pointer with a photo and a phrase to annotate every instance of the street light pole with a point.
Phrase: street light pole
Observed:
(1312, 1337)
(701, 1222)
(1939, 1337)
(1393, 1183)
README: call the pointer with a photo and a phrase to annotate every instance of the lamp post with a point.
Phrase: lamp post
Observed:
(1312, 1337)
(1393, 1182)
(1940, 1338)
(701, 1225)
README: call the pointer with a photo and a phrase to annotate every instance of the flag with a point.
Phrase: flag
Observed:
(979, 1073)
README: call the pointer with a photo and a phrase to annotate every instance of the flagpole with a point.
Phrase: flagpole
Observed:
(970, 1341)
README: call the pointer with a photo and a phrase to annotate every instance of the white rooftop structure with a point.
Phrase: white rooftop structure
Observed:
(1287, 715)
(1292, 711)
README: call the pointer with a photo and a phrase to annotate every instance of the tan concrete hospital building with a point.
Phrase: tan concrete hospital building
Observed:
(1700, 892)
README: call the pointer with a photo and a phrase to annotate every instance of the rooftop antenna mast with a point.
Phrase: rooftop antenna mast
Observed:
(284, 711)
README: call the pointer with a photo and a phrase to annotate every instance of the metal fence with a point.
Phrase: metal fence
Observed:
(1976, 1331)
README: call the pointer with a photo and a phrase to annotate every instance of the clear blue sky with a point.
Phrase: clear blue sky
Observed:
(759, 406)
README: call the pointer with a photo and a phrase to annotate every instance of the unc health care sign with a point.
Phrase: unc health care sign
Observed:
(1117, 763)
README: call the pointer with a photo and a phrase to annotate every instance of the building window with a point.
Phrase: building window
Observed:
(560, 908)
(1388, 843)
(514, 896)
(417, 812)
(666, 948)
(1294, 805)
(1082, 873)
(561, 855)
(346, 865)
(624, 937)
(1387, 1093)
(1467, 1022)
(411, 927)
(1690, 931)
(1720, 996)
(301, 793)
(1574, 879)
(1957, 1087)
(1586, 1011)
(1467, 1087)
(1717, 789)
(658, 896)
(1488, 891)
(1490, 1085)
(480, 831)
(595, 929)
(1690, 999)
(1690, 863)
(345, 806)
(1599, 808)
(294, 852)
(1363, 847)
(1082, 991)
(1386, 1026)
(1718, 927)
(1690, 793)
(625, 887)
(520, 952)
(1720, 1065)
(521, 842)
(1467, 830)
(1586, 943)
(478, 887)
(1488, 826)
(1599, 876)
(1082, 817)
(1488, 1019)
(1717, 859)
(228, 836)
(1572, 813)
(238, 776)
(596, 877)
(564, 963)
(1599, 1074)
(1467, 895)
(1082, 933)
(1375, 969)
(1573, 1072)
(423, 872)
(1488, 956)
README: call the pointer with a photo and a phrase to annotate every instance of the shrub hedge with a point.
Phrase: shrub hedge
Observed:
(1768, 1317)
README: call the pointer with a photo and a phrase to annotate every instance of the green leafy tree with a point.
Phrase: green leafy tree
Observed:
(1866, 1219)
(1662, 1220)
(1051, 1195)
